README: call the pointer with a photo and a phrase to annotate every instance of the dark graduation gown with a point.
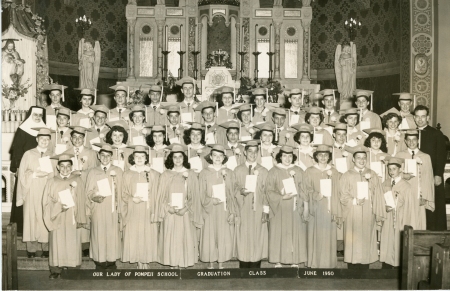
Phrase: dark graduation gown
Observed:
(433, 144)
(22, 142)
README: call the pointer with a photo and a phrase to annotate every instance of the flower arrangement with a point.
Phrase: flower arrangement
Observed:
(368, 176)
(237, 151)
(219, 58)
(15, 91)
(74, 184)
(292, 173)
(224, 174)
(185, 175)
(84, 159)
(329, 174)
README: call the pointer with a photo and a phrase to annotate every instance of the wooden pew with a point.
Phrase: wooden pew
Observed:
(9, 258)
(417, 253)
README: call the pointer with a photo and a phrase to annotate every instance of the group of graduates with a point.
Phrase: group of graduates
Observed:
(176, 183)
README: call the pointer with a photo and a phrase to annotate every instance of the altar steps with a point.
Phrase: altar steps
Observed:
(38, 263)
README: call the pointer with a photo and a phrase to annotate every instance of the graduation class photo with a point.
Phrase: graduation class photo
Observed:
(185, 144)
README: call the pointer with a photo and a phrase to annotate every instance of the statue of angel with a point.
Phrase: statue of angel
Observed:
(345, 68)
(89, 63)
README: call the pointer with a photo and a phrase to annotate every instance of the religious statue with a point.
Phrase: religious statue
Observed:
(89, 63)
(345, 68)
(12, 63)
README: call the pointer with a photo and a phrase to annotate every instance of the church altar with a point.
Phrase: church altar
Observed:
(177, 41)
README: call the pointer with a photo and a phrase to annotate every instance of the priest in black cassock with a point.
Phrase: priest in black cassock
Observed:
(432, 142)
(24, 140)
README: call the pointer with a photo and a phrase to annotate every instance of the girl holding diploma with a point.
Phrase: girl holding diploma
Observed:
(217, 197)
(178, 210)
(104, 187)
(118, 138)
(227, 110)
(137, 131)
(418, 166)
(30, 188)
(63, 219)
(315, 117)
(158, 142)
(394, 137)
(303, 137)
(354, 135)
(376, 142)
(252, 209)
(363, 210)
(194, 138)
(322, 188)
(266, 155)
(84, 115)
(397, 192)
(288, 207)
(140, 230)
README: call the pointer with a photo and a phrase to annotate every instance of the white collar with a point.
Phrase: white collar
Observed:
(212, 167)
(107, 166)
(330, 111)
(328, 167)
(416, 151)
(172, 126)
(181, 170)
(144, 169)
(252, 164)
(28, 124)
(422, 127)
(338, 146)
(295, 110)
(101, 128)
(281, 166)
(271, 146)
(55, 106)
(376, 152)
(307, 150)
(359, 170)
(85, 112)
(190, 102)
(123, 109)
(211, 123)
(41, 150)
(163, 146)
(200, 146)
(396, 179)
(388, 134)
(63, 130)
(153, 105)
(80, 149)
(234, 145)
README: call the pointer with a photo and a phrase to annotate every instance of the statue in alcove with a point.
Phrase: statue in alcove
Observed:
(89, 63)
(12, 63)
(345, 68)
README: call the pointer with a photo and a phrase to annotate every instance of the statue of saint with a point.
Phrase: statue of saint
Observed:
(89, 63)
(12, 63)
(345, 68)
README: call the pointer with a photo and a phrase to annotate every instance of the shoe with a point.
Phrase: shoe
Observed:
(278, 265)
(31, 255)
(54, 276)
(45, 254)
(86, 253)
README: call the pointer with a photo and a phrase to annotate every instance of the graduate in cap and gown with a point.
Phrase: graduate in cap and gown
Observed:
(153, 113)
(63, 213)
(363, 210)
(189, 103)
(120, 112)
(338, 149)
(60, 142)
(137, 122)
(304, 135)
(289, 211)
(325, 208)
(422, 180)
(178, 210)
(314, 117)
(174, 129)
(158, 141)
(31, 183)
(217, 241)
(245, 117)
(99, 129)
(24, 140)
(266, 155)
(84, 116)
(376, 143)
(214, 133)
(405, 102)
(138, 208)
(283, 135)
(117, 136)
(233, 148)
(56, 93)
(104, 189)
(397, 213)
(368, 119)
(227, 109)
(394, 136)
(329, 103)
(194, 138)
(355, 136)
(296, 100)
(261, 111)
(252, 210)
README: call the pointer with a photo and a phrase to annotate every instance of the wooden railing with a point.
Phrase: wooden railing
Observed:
(9, 258)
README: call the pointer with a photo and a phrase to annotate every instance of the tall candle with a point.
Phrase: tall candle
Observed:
(166, 39)
(270, 38)
(242, 38)
(256, 37)
(181, 34)
(195, 37)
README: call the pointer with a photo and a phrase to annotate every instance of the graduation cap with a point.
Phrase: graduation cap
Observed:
(119, 87)
(51, 87)
(63, 157)
(265, 126)
(366, 94)
(177, 148)
(230, 124)
(279, 111)
(371, 130)
(315, 110)
(323, 148)
(157, 128)
(251, 143)
(121, 123)
(338, 126)
(217, 147)
(357, 149)
(226, 89)
(351, 111)
(303, 127)
(185, 80)
(65, 111)
(43, 131)
(139, 149)
(171, 108)
(196, 125)
(80, 129)
(88, 92)
(392, 110)
(104, 147)
(205, 105)
(100, 108)
(394, 161)
(155, 88)
(407, 97)
(259, 92)
(327, 93)
(287, 149)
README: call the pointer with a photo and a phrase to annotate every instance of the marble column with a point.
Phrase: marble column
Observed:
(160, 39)
(233, 42)
(306, 38)
(277, 28)
(131, 26)
(204, 42)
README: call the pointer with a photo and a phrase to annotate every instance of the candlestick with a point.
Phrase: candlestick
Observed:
(270, 38)
(180, 70)
(270, 64)
(195, 37)
(165, 69)
(242, 37)
(195, 53)
(256, 54)
(256, 37)
(242, 54)
(181, 39)
(166, 39)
